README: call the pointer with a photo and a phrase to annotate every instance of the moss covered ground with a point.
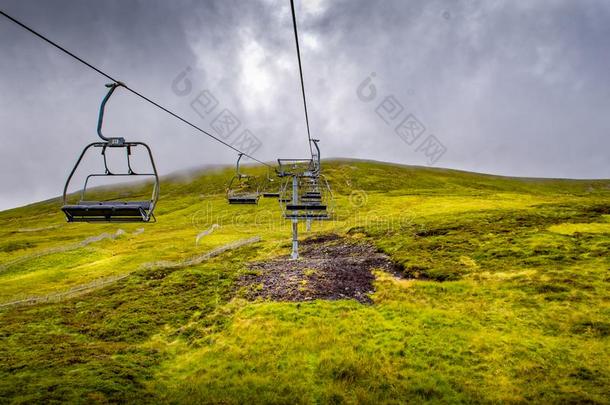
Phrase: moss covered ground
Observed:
(504, 297)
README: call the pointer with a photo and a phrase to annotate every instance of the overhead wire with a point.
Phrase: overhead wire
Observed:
(296, 38)
(106, 75)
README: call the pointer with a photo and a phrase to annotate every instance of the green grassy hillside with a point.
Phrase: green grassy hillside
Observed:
(502, 295)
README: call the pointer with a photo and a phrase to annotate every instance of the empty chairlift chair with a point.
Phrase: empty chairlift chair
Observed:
(311, 190)
(308, 205)
(243, 189)
(310, 187)
(86, 210)
(311, 197)
(287, 169)
(271, 188)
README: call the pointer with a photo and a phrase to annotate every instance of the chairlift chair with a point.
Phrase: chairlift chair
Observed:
(310, 193)
(314, 200)
(295, 167)
(243, 189)
(311, 189)
(306, 206)
(111, 210)
(271, 188)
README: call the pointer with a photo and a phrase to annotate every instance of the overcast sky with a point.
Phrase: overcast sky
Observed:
(506, 87)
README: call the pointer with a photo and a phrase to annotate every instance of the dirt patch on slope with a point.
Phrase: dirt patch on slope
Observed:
(330, 267)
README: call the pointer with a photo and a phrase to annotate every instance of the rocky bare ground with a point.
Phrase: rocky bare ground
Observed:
(330, 267)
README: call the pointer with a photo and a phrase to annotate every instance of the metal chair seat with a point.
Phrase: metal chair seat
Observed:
(305, 207)
(242, 189)
(91, 211)
(251, 199)
(307, 216)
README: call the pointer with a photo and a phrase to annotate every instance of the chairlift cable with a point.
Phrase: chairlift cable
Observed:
(296, 38)
(106, 75)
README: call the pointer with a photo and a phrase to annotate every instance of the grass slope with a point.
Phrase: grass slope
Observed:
(505, 297)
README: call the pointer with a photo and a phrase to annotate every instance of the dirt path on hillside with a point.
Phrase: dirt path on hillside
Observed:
(330, 267)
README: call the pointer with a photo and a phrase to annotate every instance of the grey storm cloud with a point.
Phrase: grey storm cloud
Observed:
(508, 87)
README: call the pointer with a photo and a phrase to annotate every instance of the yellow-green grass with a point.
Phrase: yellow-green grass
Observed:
(571, 229)
(407, 346)
(505, 297)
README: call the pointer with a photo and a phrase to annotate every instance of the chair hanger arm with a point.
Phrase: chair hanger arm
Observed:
(100, 121)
